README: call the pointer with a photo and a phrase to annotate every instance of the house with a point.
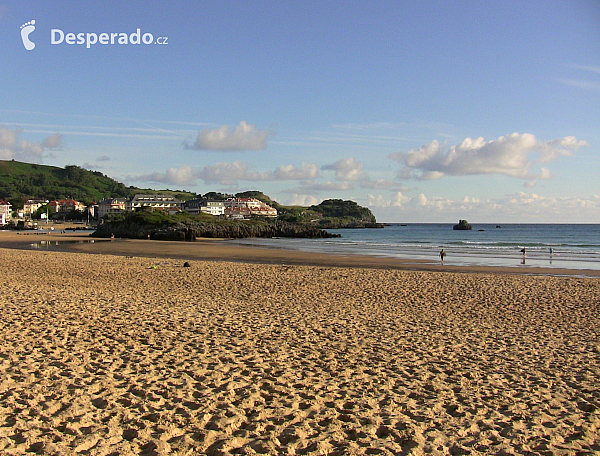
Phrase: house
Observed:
(247, 207)
(204, 206)
(237, 208)
(5, 212)
(166, 203)
(257, 207)
(111, 206)
(66, 205)
(92, 210)
(32, 205)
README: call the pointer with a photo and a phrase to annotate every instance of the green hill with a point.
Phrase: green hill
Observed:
(347, 210)
(21, 181)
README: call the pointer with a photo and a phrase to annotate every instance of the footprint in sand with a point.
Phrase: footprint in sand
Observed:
(26, 29)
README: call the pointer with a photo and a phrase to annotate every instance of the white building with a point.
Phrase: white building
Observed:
(204, 206)
(246, 207)
(111, 206)
(32, 205)
(66, 205)
(4, 212)
(159, 202)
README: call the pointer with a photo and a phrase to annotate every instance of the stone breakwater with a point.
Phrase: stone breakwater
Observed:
(191, 231)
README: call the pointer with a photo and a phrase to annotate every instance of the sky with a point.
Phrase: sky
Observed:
(422, 111)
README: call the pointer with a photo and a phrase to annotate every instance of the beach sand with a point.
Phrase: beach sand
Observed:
(116, 355)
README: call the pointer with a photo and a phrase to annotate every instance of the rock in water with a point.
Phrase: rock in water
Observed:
(462, 225)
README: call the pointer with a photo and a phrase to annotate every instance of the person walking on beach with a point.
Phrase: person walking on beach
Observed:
(442, 255)
(524, 251)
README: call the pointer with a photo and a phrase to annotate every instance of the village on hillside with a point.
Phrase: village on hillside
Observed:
(69, 209)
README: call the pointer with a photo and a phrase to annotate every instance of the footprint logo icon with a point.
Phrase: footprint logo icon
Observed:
(26, 29)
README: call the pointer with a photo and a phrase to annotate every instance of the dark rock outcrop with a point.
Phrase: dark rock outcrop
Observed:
(191, 230)
(462, 225)
(343, 224)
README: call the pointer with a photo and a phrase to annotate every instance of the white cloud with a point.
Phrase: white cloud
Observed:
(551, 150)
(52, 141)
(512, 208)
(585, 84)
(178, 176)
(228, 174)
(513, 155)
(431, 175)
(22, 150)
(245, 137)
(290, 172)
(435, 203)
(397, 200)
(377, 184)
(400, 200)
(593, 69)
(325, 186)
(8, 138)
(377, 201)
(582, 84)
(222, 173)
(348, 169)
(541, 207)
(302, 200)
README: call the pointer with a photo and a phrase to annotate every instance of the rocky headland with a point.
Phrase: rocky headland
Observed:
(190, 230)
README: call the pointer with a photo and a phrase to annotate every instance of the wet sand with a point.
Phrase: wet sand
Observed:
(220, 250)
(130, 354)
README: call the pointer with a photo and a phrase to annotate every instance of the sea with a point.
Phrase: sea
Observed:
(568, 246)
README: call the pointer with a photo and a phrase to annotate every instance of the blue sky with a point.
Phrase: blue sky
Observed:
(422, 111)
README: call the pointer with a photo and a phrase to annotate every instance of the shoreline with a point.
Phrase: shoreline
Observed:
(219, 250)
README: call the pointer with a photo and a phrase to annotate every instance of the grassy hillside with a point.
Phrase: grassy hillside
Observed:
(22, 181)
(340, 209)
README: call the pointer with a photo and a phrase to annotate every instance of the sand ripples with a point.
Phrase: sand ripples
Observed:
(106, 355)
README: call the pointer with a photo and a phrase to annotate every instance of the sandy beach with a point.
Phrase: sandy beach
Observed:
(131, 353)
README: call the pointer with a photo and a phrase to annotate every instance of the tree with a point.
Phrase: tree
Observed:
(216, 196)
(17, 203)
(45, 209)
(75, 173)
